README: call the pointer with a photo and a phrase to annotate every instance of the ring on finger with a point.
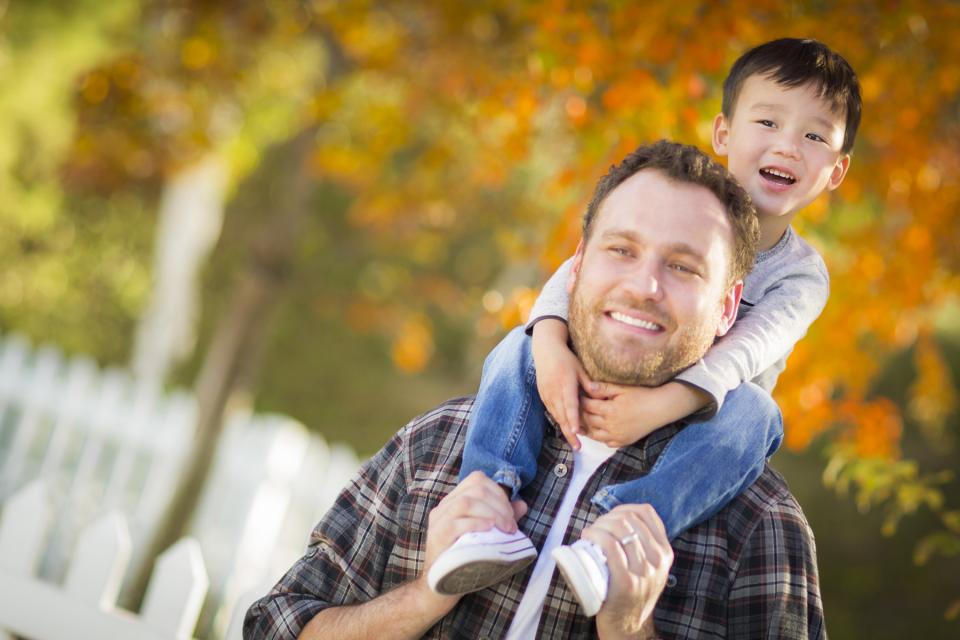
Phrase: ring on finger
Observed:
(625, 540)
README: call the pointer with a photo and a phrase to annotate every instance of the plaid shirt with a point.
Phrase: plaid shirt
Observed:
(748, 572)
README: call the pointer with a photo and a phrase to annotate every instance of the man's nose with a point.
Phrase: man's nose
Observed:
(645, 282)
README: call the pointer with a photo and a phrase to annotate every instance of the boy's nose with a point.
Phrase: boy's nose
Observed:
(787, 147)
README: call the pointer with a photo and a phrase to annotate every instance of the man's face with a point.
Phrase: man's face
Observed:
(783, 144)
(649, 288)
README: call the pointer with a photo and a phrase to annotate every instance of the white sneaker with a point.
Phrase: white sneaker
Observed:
(584, 567)
(480, 559)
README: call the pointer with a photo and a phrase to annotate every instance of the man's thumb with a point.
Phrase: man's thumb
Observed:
(520, 509)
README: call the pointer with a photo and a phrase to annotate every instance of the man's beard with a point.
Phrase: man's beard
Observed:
(605, 362)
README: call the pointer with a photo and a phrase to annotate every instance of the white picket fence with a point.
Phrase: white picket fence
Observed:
(85, 606)
(102, 443)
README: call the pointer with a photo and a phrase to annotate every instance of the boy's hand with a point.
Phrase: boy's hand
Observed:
(559, 376)
(619, 415)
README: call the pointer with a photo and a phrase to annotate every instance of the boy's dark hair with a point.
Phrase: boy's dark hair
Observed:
(793, 62)
(687, 164)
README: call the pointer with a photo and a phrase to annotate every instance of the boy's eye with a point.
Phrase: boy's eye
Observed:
(816, 137)
(766, 123)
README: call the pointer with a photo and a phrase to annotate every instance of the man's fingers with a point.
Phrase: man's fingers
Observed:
(656, 545)
(520, 509)
(617, 562)
(478, 496)
(648, 515)
(638, 531)
(651, 539)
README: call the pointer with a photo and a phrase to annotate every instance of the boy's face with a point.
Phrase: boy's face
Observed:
(783, 144)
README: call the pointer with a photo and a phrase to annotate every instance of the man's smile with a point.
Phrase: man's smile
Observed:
(633, 321)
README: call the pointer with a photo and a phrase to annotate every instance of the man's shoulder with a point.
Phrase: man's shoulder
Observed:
(451, 416)
(765, 513)
(442, 428)
(767, 500)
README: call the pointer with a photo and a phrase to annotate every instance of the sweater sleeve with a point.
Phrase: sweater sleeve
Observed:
(757, 345)
(553, 301)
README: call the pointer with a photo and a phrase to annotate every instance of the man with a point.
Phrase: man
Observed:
(651, 289)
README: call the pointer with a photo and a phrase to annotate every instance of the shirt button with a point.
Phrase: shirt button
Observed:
(671, 581)
(560, 470)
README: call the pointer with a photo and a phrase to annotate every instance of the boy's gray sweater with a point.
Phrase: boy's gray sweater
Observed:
(782, 296)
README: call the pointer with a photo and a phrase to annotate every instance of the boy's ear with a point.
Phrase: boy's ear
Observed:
(728, 307)
(721, 132)
(839, 171)
(575, 269)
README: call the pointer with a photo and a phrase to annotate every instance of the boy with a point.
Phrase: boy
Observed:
(789, 117)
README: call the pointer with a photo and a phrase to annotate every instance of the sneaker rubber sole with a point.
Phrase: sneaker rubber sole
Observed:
(573, 571)
(473, 569)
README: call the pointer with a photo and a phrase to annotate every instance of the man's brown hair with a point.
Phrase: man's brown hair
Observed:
(687, 164)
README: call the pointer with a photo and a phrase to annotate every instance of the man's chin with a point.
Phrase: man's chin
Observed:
(643, 372)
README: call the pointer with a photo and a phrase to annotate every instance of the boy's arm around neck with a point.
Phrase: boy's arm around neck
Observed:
(553, 301)
(787, 301)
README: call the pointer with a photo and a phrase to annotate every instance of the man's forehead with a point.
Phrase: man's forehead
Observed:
(647, 190)
(652, 207)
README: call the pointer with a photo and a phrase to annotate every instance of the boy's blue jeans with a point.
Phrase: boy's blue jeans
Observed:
(705, 466)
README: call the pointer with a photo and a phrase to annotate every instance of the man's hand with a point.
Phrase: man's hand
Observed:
(476, 504)
(618, 415)
(559, 376)
(639, 557)
(408, 611)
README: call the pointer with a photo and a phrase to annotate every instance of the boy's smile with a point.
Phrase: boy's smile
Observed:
(783, 144)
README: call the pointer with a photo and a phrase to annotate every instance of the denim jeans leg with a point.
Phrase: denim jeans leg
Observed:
(707, 464)
(505, 431)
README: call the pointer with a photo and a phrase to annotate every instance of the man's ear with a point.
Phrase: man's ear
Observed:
(721, 133)
(839, 172)
(575, 269)
(728, 307)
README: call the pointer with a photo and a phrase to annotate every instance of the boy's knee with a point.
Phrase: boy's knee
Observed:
(750, 399)
(517, 341)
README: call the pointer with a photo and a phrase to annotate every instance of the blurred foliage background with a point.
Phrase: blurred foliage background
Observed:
(398, 179)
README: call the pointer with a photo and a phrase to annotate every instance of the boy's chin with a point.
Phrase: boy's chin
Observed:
(778, 209)
(775, 213)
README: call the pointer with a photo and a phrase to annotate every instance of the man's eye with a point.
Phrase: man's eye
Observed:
(682, 268)
(620, 251)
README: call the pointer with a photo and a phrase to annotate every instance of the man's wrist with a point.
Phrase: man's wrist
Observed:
(429, 604)
(647, 631)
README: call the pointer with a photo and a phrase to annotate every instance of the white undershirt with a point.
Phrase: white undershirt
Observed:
(585, 461)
